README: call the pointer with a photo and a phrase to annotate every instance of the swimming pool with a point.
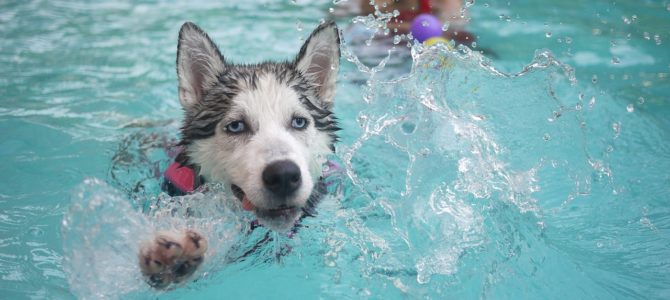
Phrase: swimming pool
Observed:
(534, 175)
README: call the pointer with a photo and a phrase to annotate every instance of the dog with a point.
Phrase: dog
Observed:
(262, 129)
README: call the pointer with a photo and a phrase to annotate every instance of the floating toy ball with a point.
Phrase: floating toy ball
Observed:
(426, 26)
(434, 40)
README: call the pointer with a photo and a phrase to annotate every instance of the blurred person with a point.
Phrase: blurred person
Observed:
(448, 11)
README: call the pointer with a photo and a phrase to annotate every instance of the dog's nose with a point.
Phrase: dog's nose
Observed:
(282, 177)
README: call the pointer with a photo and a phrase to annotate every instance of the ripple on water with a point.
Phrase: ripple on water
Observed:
(464, 182)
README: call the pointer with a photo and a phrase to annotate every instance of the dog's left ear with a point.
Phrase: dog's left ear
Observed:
(319, 60)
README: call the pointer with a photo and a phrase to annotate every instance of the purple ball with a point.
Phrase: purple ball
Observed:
(426, 26)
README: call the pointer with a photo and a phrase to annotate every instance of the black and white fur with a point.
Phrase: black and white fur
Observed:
(263, 129)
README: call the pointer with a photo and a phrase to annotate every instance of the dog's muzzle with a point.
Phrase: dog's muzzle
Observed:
(282, 178)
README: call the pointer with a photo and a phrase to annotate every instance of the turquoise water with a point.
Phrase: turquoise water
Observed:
(541, 173)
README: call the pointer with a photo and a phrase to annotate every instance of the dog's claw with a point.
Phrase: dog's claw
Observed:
(171, 257)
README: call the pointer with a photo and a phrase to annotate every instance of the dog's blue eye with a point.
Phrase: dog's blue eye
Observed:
(236, 127)
(299, 123)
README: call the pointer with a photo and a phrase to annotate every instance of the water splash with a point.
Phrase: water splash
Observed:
(102, 233)
(457, 139)
(97, 242)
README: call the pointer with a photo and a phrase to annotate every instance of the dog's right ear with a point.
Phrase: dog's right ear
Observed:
(319, 60)
(199, 63)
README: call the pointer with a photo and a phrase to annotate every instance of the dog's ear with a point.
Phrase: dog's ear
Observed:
(319, 60)
(199, 63)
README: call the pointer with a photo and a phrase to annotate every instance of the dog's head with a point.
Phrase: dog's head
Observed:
(262, 129)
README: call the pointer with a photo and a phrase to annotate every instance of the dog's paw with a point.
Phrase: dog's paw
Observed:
(171, 257)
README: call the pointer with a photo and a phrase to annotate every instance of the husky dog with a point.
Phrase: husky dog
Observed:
(262, 129)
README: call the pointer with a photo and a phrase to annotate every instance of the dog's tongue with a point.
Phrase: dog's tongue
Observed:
(246, 204)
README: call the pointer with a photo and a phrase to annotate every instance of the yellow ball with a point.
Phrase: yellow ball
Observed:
(434, 40)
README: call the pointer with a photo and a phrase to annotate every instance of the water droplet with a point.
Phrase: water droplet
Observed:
(615, 60)
(646, 35)
(425, 24)
(578, 106)
(609, 149)
(546, 137)
(331, 10)
(633, 18)
(581, 97)
(408, 127)
(594, 79)
(478, 117)
(616, 126)
(474, 45)
(298, 25)
(630, 108)
(640, 100)
(548, 34)
(504, 17)
(445, 26)
(469, 3)
(592, 101)
(568, 40)
(397, 39)
(557, 114)
(657, 39)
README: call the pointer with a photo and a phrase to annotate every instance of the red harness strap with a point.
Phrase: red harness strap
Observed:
(182, 177)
